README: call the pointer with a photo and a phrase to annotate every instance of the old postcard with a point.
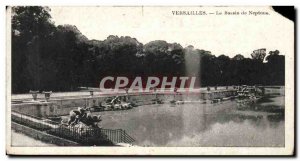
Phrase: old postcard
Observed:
(150, 80)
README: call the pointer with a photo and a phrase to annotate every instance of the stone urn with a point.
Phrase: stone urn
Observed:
(208, 88)
(91, 93)
(34, 94)
(175, 90)
(126, 90)
(47, 95)
(154, 89)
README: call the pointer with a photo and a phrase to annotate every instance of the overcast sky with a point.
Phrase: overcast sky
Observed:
(229, 35)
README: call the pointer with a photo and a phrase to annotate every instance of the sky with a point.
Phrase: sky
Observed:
(220, 34)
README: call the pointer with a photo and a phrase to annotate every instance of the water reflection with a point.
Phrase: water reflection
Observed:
(230, 123)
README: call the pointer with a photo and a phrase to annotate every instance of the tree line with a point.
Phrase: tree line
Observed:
(61, 58)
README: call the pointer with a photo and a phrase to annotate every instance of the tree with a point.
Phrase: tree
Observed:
(80, 38)
(275, 68)
(238, 57)
(163, 58)
(31, 27)
(259, 54)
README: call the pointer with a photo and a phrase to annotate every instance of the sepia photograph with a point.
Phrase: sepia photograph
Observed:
(150, 80)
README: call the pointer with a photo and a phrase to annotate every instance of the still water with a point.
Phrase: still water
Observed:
(229, 123)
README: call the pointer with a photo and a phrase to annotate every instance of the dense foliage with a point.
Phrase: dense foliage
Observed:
(60, 58)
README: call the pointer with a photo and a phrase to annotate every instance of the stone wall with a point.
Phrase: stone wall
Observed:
(62, 106)
(275, 90)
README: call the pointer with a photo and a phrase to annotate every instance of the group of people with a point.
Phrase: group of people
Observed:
(83, 115)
